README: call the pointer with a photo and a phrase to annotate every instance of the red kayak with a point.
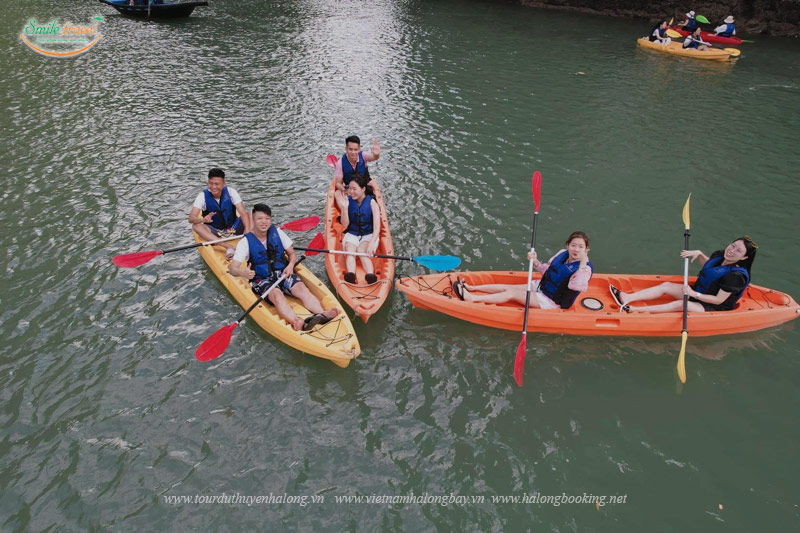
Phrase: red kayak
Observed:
(709, 37)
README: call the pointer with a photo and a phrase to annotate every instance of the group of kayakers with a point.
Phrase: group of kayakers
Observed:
(721, 282)
(691, 25)
(265, 255)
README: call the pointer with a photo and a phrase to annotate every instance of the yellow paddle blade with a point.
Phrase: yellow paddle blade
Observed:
(674, 34)
(734, 52)
(671, 20)
(686, 212)
(682, 358)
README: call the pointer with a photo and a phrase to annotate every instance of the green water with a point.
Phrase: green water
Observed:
(105, 413)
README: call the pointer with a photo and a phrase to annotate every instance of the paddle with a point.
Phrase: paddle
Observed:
(685, 332)
(331, 160)
(734, 52)
(701, 18)
(216, 344)
(433, 262)
(139, 258)
(519, 360)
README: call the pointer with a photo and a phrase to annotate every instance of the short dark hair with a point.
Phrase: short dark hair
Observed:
(352, 139)
(578, 235)
(216, 173)
(262, 208)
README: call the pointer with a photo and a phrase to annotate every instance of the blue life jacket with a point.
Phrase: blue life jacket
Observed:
(729, 29)
(712, 272)
(267, 260)
(360, 216)
(348, 170)
(555, 282)
(691, 25)
(225, 215)
(692, 44)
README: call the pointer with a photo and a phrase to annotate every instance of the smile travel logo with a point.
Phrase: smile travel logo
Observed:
(66, 40)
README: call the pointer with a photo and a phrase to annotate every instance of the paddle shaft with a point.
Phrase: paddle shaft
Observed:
(198, 244)
(685, 280)
(530, 275)
(266, 292)
(360, 254)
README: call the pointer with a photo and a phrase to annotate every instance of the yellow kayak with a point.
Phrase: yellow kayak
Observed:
(335, 341)
(676, 48)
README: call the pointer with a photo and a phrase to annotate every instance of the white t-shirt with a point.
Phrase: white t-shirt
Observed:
(200, 201)
(242, 252)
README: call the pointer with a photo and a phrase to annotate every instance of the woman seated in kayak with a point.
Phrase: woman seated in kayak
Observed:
(720, 284)
(361, 218)
(727, 29)
(659, 34)
(689, 23)
(694, 41)
(563, 277)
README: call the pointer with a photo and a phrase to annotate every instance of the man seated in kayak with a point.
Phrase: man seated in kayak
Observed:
(218, 211)
(727, 29)
(354, 161)
(659, 34)
(694, 41)
(689, 23)
(361, 218)
(566, 275)
(721, 282)
(268, 254)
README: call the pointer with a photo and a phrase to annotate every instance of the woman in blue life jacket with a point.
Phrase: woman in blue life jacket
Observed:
(361, 218)
(727, 29)
(659, 34)
(722, 280)
(265, 254)
(566, 275)
(695, 41)
(689, 23)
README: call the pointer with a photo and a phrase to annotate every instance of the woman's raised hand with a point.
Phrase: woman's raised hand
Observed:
(694, 254)
(342, 200)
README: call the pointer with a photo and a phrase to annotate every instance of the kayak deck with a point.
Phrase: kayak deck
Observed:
(676, 48)
(365, 299)
(335, 341)
(758, 308)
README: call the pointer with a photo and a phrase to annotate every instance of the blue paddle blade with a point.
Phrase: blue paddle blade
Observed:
(438, 262)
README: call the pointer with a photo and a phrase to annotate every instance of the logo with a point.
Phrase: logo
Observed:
(61, 40)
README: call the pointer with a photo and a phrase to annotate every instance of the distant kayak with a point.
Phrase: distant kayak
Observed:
(710, 37)
(595, 312)
(157, 9)
(676, 48)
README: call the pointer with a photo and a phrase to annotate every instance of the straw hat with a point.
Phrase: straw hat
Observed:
(729, 19)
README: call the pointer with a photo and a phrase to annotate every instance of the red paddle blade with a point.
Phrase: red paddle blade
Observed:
(316, 242)
(135, 259)
(519, 360)
(536, 185)
(302, 224)
(215, 345)
(331, 160)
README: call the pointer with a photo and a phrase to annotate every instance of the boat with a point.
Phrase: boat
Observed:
(595, 312)
(154, 9)
(710, 37)
(365, 299)
(676, 48)
(335, 341)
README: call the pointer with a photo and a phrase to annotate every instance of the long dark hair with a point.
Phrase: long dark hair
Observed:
(751, 248)
(363, 182)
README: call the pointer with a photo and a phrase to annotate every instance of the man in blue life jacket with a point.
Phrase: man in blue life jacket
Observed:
(727, 29)
(354, 161)
(262, 256)
(690, 24)
(218, 211)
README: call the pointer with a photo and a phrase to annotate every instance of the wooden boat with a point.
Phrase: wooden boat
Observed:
(595, 312)
(154, 9)
(676, 48)
(335, 341)
(365, 299)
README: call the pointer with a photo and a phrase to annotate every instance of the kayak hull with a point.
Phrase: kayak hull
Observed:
(710, 37)
(335, 341)
(677, 49)
(365, 299)
(758, 308)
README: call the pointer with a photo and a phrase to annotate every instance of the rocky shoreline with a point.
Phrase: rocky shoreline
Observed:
(766, 17)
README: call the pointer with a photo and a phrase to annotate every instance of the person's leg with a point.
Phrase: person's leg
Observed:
(349, 260)
(284, 309)
(310, 302)
(366, 262)
(670, 307)
(515, 293)
(651, 293)
(493, 288)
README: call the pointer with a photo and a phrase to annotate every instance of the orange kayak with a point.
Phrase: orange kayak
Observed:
(365, 299)
(595, 312)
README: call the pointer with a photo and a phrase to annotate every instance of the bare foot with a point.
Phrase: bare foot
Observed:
(465, 293)
(333, 312)
(297, 324)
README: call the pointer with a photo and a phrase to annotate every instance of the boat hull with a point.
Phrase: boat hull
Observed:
(676, 48)
(156, 11)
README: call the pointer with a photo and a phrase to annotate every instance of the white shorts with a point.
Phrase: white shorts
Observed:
(543, 301)
(355, 239)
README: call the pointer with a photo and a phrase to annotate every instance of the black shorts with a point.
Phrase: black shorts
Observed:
(261, 284)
